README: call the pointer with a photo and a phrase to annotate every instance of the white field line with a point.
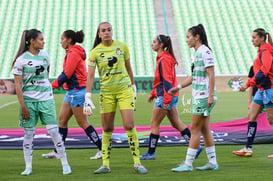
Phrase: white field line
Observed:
(7, 104)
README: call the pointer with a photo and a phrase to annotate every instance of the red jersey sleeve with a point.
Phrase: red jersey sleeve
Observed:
(166, 69)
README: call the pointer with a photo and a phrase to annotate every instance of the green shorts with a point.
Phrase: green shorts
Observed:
(43, 109)
(124, 100)
(200, 106)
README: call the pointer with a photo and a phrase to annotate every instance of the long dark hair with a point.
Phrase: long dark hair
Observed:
(26, 38)
(167, 44)
(76, 37)
(262, 33)
(97, 38)
(200, 30)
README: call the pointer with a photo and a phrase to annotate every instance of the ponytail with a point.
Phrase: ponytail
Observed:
(200, 30)
(167, 45)
(76, 37)
(270, 39)
(97, 38)
(26, 37)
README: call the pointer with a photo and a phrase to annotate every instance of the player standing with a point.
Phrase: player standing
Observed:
(34, 92)
(73, 79)
(263, 79)
(116, 88)
(203, 99)
(165, 105)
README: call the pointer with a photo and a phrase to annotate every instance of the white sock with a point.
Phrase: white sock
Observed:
(53, 131)
(190, 156)
(211, 154)
(27, 146)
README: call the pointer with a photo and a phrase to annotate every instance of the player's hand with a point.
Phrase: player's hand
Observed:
(173, 91)
(150, 99)
(88, 104)
(210, 101)
(25, 113)
(166, 106)
(243, 88)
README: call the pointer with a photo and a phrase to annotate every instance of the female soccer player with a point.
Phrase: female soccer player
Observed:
(263, 79)
(116, 88)
(164, 80)
(203, 98)
(34, 92)
(73, 79)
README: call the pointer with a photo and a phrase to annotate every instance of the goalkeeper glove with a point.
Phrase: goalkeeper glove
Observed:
(88, 104)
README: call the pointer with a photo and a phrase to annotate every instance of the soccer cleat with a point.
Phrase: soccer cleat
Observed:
(52, 154)
(147, 156)
(270, 156)
(27, 171)
(183, 168)
(244, 152)
(199, 150)
(140, 169)
(97, 156)
(102, 169)
(66, 170)
(208, 166)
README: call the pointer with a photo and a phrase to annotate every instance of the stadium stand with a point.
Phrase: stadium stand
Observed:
(133, 22)
(229, 24)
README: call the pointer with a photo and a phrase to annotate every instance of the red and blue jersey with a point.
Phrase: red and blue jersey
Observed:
(74, 73)
(263, 68)
(165, 77)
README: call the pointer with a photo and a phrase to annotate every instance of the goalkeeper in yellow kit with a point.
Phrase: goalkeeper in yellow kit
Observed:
(117, 87)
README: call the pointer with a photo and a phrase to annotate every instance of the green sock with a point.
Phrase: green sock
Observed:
(134, 145)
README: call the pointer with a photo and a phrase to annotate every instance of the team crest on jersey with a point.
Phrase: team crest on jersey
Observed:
(235, 83)
(118, 51)
(45, 61)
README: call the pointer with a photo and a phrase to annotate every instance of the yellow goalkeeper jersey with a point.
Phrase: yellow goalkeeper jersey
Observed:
(110, 61)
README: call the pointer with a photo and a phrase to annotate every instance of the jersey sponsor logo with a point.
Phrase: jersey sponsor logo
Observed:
(114, 73)
(30, 63)
(210, 61)
(112, 61)
(102, 55)
(37, 82)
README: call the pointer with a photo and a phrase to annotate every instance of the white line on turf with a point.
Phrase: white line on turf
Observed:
(7, 104)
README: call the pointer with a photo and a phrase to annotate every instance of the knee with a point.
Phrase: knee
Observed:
(129, 127)
(62, 123)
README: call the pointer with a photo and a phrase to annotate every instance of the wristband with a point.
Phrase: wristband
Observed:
(88, 95)
(179, 87)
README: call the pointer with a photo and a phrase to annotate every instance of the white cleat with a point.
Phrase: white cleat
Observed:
(97, 156)
(51, 155)
(67, 170)
(26, 172)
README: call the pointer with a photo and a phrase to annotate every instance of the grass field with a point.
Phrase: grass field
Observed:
(230, 106)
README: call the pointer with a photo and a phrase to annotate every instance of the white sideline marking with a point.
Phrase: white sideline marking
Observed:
(7, 104)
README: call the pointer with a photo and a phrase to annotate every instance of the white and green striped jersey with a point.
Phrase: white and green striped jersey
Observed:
(34, 71)
(201, 59)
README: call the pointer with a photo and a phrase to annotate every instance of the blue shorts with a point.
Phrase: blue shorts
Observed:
(159, 102)
(264, 98)
(75, 97)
